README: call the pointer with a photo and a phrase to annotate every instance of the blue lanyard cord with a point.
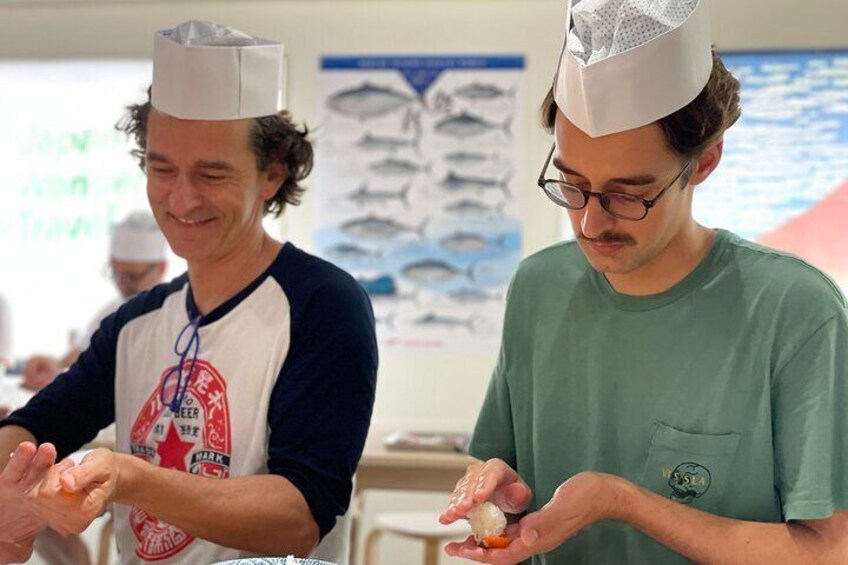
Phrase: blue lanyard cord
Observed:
(183, 370)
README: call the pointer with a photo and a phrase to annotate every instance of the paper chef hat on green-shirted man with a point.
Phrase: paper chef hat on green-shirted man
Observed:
(628, 63)
(206, 71)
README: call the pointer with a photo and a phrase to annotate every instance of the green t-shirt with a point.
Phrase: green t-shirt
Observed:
(727, 392)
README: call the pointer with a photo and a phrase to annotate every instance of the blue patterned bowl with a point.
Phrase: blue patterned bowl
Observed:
(273, 561)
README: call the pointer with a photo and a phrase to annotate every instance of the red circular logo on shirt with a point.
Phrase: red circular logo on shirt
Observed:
(194, 439)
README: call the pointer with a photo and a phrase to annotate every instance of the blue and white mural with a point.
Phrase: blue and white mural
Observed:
(783, 179)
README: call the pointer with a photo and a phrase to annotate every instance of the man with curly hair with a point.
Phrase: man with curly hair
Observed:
(241, 391)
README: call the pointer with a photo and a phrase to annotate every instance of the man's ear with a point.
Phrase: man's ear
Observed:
(274, 176)
(707, 162)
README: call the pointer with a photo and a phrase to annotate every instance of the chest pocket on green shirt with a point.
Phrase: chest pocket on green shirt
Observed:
(690, 468)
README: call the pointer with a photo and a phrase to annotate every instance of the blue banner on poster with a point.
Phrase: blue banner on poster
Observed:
(421, 72)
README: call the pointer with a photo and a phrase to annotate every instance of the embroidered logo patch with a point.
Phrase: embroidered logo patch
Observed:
(688, 481)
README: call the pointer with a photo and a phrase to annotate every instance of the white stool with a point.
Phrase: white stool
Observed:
(423, 526)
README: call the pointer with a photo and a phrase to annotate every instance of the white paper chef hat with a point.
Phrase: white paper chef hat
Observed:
(628, 63)
(206, 71)
(137, 239)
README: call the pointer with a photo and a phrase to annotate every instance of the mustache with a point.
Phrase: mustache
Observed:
(609, 237)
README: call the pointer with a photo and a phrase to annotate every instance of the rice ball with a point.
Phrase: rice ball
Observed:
(486, 520)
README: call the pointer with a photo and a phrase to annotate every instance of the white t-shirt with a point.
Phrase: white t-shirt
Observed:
(282, 382)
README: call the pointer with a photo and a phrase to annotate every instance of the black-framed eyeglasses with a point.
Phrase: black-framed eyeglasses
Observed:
(128, 278)
(619, 204)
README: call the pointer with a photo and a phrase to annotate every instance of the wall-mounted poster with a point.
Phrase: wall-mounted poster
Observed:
(783, 179)
(416, 169)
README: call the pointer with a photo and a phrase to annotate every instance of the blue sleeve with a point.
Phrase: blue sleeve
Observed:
(321, 405)
(70, 411)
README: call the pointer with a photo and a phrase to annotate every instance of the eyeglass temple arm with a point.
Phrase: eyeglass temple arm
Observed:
(541, 179)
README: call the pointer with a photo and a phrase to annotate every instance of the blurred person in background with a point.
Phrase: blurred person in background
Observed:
(136, 262)
(5, 345)
(5, 333)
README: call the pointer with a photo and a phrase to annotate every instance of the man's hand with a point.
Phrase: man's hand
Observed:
(18, 524)
(18, 552)
(582, 500)
(494, 481)
(39, 371)
(71, 497)
(35, 493)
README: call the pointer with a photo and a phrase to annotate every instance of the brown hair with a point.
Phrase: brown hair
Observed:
(694, 127)
(274, 139)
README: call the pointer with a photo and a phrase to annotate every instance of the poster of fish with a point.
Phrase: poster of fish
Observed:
(783, 179)
(417, 161)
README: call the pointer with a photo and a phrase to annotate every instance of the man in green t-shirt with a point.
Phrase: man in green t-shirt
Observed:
(665, 392)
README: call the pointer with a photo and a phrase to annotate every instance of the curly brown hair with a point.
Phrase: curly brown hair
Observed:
(694, 127)
(274, 139)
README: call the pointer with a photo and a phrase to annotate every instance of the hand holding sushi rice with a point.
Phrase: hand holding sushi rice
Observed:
(482, 496)
(489, 489)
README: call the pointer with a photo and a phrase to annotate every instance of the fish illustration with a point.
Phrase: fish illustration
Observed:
(434, 271)
(367, 101)
(470, 295)
(374, 227)
(437, 320)
(467, 206)
(372, 142)
(465, 125)
(379, 286)
(388, 320)
(394, 298)
(454, 183)
(412, 120)
(391, 166)
(477, 91)
(351, 252)
(468, 157)
(463, 242)
(363, 196)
